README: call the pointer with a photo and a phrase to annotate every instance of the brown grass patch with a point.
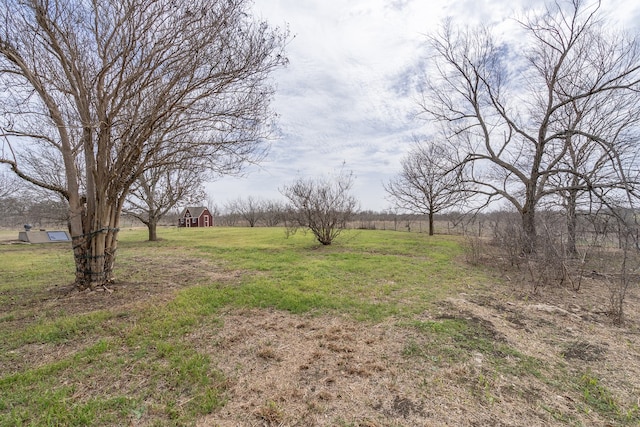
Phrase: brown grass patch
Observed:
(289, 370)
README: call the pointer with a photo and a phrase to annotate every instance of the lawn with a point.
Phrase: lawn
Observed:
(244, 326)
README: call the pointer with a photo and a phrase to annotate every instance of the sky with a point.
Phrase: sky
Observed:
(346, 98)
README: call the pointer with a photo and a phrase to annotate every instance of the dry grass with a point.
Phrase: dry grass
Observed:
(552, 358)
(288, 370)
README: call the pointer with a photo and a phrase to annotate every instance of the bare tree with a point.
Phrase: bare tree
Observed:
(600, 153)
(212, 206)
(274, 212)
(106, 89)
(505, 105)
(323, 205)
(429, 182)
(619, 286)
(158, 190)
(250, 209)
(8, 184)
(255, 211)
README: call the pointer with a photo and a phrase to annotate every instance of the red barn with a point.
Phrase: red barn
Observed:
(195, 217)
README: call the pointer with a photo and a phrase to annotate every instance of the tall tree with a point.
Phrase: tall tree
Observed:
(429, 182)
(108, 88)
(505, 103)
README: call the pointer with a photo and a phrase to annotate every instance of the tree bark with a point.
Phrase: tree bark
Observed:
(572, 221)
(152, 226)
(430, 223)
(528, 214)
(95, 249)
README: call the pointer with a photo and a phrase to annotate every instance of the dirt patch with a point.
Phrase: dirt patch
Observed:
(583, 350)
(169, 275)
(27, 307)
(288, 370)
(308, 370)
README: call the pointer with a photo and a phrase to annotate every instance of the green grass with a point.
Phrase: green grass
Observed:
(27, 266)
(368, 274)
(599, 398)
(136, 363)
(452, 340)
(125, 365)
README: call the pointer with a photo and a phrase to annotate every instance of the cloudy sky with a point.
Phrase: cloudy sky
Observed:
(345, 97)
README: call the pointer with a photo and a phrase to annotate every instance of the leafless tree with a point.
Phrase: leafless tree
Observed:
(8, 184)
(250, 209)
(505, 104)
(600, 154)
(614, 269)
(274, 213)
(429, 183)
(323, 205)
(106, 89)
(26, 204)
(159, 190)
(212, 205)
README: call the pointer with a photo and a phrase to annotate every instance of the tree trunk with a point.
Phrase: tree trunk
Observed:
(152, 226)
(95, 249)
(572, 221)
(529, 226)
(430, 223)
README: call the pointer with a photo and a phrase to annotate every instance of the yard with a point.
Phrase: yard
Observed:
(245, 327)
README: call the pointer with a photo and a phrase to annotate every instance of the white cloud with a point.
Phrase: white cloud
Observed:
(347, 93)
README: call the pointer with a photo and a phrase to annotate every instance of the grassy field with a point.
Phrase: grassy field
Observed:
(240, 326)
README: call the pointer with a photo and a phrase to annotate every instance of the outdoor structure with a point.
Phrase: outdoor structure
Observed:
(43, 236)
(195, 217)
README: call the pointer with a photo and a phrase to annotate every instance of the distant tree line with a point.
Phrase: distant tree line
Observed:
(20, 209)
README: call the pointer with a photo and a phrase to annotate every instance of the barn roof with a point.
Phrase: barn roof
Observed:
(195, 211)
